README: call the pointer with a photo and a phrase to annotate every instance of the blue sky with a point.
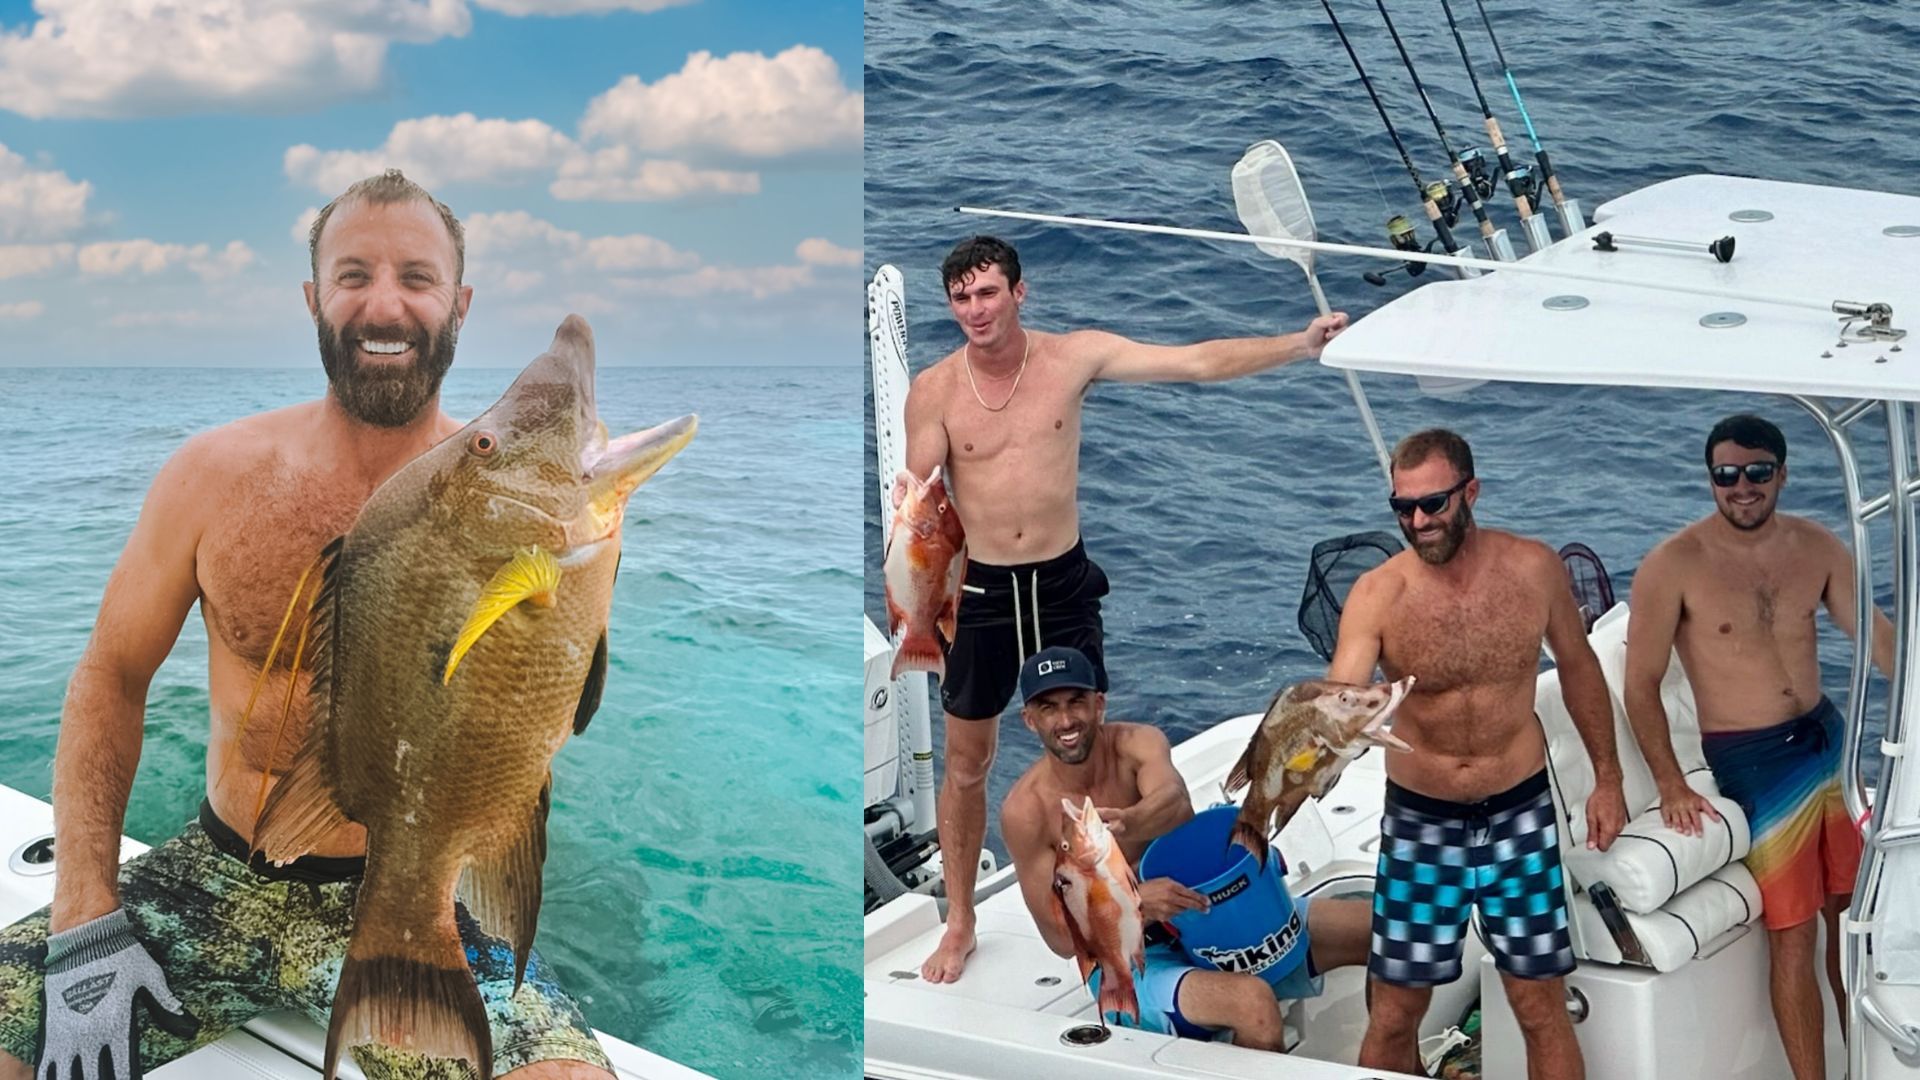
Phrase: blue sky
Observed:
(684, 174)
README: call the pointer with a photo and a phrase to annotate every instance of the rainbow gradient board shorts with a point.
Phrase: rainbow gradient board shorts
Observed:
(1787, 780)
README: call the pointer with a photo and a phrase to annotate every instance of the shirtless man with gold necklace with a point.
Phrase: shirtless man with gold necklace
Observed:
(1011, 449)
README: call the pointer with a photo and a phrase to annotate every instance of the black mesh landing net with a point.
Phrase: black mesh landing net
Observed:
(1335, 565)
(1592, 588)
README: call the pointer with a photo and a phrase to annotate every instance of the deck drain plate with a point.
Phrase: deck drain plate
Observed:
(1902, 230)
(1564, 302)
(33, 858)
(1750, 215)
(1720, 320)
(1085, 1035)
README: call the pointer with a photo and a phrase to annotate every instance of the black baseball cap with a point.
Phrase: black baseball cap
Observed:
(1059, 667)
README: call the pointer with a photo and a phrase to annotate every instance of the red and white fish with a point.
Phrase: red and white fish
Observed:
(1310, 733)
(1099, 901)
(926, 560)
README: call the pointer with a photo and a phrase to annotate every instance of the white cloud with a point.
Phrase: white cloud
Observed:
(516, 234)
(575, 7)
(38, 204)
(816, 251)
(303, 225)
(759, 282)
(118, 258)
(112, 58)
(745, 103)
(435, 150)
(25, 309)
(21, 260)
(614, 175)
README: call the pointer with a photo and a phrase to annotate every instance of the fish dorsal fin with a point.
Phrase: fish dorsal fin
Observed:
(304, 808)
(503, 892)
(1072, 811)
(596, 686)
(532, 574)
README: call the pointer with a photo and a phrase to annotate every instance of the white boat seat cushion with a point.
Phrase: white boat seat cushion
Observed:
(1651, 869)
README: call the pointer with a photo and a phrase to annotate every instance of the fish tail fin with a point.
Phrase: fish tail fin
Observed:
(920, 652)
(1250, 837)
(273, 653)
(420, 997)
(1117, 995)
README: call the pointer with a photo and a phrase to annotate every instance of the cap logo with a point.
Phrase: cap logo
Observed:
(1048, 667)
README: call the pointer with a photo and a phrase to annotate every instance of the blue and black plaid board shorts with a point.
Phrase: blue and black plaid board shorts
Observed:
(1440, 860)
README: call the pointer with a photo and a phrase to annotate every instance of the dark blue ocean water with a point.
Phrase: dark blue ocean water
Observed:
(1202, 501)
(701, 874)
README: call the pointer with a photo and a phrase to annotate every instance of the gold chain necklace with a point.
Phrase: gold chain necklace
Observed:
(1025, 346)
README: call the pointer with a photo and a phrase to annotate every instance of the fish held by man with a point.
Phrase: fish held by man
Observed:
(925, 564)
(1099, 901)
(1310, 732)
(457, 638)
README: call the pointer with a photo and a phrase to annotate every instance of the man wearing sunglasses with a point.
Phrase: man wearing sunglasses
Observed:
(1002, 413)
(1736, 593)
(1469, 821)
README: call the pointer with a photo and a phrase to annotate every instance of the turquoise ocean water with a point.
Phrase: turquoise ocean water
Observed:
(700, 875)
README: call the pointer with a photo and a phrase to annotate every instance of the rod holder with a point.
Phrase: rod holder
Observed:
(1572, 219)
(1539, 238)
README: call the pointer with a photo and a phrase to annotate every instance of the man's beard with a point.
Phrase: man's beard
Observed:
(1436, 552)
(1075, 755)
(386, 395)
(1764, 509)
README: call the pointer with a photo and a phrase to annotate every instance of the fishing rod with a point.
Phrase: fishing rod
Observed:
(1495, 240)
(1441, 216)
(1571, 219)
(1520, 182)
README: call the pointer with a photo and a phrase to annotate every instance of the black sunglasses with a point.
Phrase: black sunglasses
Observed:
(1430, 505)
(1758, 472)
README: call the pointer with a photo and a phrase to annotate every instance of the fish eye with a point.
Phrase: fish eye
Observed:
(483, 443)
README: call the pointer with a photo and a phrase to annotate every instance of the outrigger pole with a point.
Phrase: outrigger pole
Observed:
(1519, 178)
(1877, 316)
(1434, 213)
(1495, 240)
(1571, 219)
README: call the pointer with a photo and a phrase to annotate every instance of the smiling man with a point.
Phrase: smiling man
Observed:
(197, 936)
(1469, 820)
(1002, 414)
(1736, 593)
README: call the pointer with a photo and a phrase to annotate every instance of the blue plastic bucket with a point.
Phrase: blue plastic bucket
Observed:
(1252, 925)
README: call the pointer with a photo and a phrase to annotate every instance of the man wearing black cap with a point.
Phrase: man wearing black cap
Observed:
(1127, 770)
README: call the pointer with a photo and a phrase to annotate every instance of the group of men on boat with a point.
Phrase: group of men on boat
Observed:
(1469, 821)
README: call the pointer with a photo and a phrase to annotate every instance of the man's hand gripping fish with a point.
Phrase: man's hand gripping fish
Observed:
(1310, 733)
(458, 636)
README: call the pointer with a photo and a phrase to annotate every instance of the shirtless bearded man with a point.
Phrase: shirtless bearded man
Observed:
(1469, 819)
(1737, 591)
(1002, 413)
(231, 521)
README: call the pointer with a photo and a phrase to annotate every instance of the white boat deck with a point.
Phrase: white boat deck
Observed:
(278, 1046)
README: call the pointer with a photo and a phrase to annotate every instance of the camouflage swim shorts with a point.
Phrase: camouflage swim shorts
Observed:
(237, 940)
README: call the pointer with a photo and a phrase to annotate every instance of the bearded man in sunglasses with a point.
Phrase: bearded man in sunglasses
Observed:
(1736, 592)
(1469, 820)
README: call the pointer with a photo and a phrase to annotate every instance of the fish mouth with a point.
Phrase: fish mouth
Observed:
(1379, 726)
(614, 469)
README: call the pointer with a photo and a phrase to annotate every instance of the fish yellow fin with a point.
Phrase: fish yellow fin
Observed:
(1303, 760)
(532, 575)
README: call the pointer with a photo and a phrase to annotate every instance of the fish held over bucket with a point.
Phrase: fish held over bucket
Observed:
(1099, 901)
(926, 561)
(1309, 734)
(458, 637)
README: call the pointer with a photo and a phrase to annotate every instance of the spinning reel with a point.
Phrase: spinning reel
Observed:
(1401, 234)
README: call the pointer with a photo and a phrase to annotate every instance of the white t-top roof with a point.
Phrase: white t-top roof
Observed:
(1822, 244)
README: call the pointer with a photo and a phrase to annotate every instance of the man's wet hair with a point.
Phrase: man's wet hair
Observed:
(390, 188)
(1421, 445)
(1750, 431)
(976, 253)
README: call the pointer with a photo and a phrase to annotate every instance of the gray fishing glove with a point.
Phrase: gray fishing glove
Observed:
(96, 973)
